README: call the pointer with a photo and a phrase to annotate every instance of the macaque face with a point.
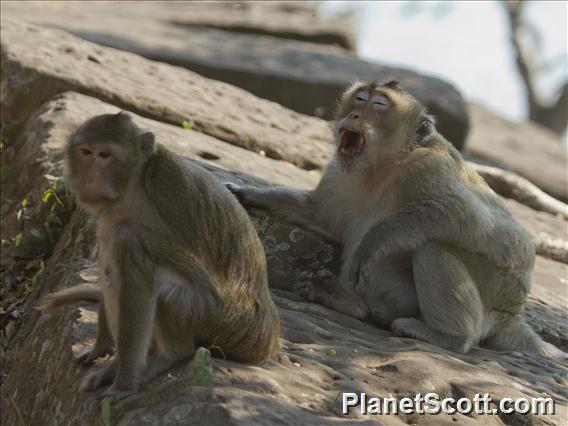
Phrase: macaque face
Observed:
(98, 172)
(367, 125)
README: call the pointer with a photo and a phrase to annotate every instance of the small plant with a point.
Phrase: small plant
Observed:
(202, 374)
(105, 412)
(24, 255)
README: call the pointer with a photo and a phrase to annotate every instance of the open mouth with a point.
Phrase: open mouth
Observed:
(352, 142)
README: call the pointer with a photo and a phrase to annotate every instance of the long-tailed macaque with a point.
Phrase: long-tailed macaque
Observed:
(429, 249)
(180, 261)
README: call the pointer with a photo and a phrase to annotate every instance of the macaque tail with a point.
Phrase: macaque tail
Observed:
(68, 296)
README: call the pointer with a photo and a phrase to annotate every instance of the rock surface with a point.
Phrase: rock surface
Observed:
(287, 20)
(524, 148)
(38, 63)
(305, 77)
(303, 384)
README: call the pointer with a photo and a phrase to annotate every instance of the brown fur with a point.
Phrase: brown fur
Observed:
(180, 261)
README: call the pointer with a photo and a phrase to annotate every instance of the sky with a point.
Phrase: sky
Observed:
(463, 42)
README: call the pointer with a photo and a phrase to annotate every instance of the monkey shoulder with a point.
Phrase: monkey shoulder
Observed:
(191, 201)
(426, 171)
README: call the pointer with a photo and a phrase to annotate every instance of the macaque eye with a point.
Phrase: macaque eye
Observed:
(381, 101)
(361, 97)
(85, 151)
(104, 154)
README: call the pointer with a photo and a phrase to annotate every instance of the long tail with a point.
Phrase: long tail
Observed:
(78, 293)
(519, 336)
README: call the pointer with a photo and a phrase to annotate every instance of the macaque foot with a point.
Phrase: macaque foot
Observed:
(315, 287)
(114, 394)
(324, 288)
(416, 329)
(88, 356)
(407, 327)
(100, 377)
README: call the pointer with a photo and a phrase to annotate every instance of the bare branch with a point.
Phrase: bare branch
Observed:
(554, 116)
(513, 186)
(525, 63)
(551, 116)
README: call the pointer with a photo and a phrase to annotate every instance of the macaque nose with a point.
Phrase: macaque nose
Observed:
(354, 116)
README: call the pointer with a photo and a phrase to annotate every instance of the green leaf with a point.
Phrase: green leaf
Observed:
(332, 352)
(18, 240)
(202, 368)
(47, 195)
(69, 200)
(54, 219)
(37, 233)
(24, 202)
(105, 412)
(187, 125)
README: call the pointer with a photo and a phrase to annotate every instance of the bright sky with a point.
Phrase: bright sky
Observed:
(463, 42)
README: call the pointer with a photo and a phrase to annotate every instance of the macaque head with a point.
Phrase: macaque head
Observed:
(374, 123)
(103, 156)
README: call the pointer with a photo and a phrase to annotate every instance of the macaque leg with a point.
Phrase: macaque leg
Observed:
(159, 363)
(389, 291)
(103, 343)
(102, 376)
(137, 301)
(450, 304)
(326, 289)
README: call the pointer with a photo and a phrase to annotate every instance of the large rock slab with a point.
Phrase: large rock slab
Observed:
(288, 20)
(538, 223)
(38, 63)
(524, 148)
(305, 77)
(304, 382)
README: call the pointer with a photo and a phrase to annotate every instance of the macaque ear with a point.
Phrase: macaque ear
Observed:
(122, 117)
(393, 84)
(426, 127)
(147, 143)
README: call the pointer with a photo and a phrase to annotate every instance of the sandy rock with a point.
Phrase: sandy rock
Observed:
(303, 384)
(305, 77)
(524, 148)
(538, 223)
(287, 20)
(38, 63)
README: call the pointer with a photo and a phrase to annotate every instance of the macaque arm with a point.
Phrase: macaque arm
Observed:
(293, 205)
(281, 200)
(137, 301)
(406, 231)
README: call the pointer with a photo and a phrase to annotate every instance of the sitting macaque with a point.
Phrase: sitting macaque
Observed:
(430, 251)
(180, 262)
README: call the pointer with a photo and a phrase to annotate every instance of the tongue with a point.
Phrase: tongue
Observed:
(351, 143)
